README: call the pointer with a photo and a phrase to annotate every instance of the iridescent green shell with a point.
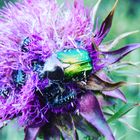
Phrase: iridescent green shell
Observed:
(72, 56)
(79, 62)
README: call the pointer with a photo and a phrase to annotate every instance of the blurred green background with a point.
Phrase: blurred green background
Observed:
(127, 18)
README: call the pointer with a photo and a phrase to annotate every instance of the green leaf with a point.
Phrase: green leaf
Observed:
(122, 111)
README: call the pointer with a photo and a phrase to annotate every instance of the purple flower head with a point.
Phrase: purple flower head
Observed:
(52, 67)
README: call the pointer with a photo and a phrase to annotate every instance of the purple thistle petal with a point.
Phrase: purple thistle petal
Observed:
(31, 133)
(105, 27)
(115, 93)
(95, 55)
(104, 101)
(114, 56)
(91, 111)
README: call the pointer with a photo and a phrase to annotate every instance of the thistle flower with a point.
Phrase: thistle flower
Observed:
(52, 65)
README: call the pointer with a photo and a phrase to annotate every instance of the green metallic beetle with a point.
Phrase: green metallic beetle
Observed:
(68, 64)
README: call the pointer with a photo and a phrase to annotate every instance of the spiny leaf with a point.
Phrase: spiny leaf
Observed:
(120, 65)
(114, 56)
(90, 110)
(114, 93)
(105, 27)
(104, 100)
(85, 127)
(97, 84)
(94, 11)
(111, 44)
(31, 133)
(122, 111)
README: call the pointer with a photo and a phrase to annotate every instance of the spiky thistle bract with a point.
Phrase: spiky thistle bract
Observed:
(52, 63)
